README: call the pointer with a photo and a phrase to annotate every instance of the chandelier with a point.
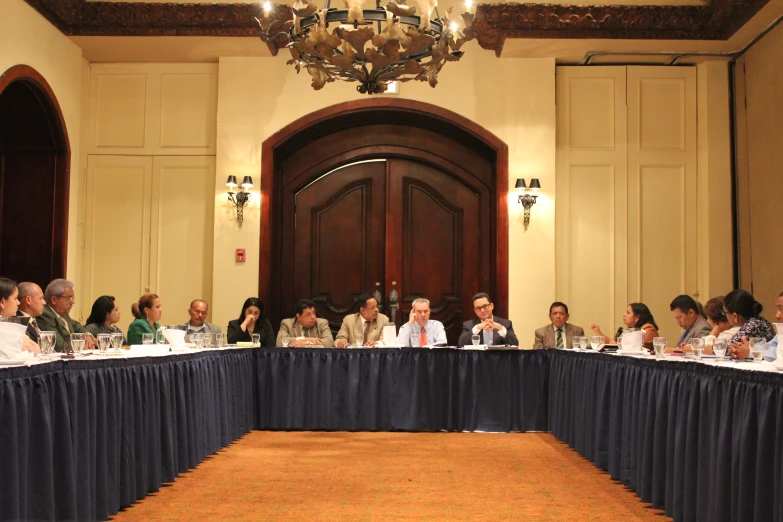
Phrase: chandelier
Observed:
(370, 46)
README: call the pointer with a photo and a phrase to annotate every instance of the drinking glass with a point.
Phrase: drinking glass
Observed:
(719, 349)
(659, 345)
(583, 342)
(46, 344)
(575, 342)
(219, 340)
(104, 341)
(757, 347)
(207, 340)
(285, 339)
(77, 345)
(116, 342)
(147, 338)
(358, 343)
(198, 340)
(256, 339)
(697, 347)
(476, 339)
(415, 340)
(596, 341)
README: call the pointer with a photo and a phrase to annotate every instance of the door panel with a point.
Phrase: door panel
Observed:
(338, 241)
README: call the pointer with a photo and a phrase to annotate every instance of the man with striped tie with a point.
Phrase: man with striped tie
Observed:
(560, 333)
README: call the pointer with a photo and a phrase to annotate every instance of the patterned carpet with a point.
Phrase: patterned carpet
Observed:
(400, 476)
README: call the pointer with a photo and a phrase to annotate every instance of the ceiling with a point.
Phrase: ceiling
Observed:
(637, 31)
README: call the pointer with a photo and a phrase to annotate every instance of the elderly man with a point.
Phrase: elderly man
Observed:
(60, 296)
(685, 311)
(430, 332)
(31, 304)
(492, 329)
(560, 333)
(198, 314)
(305, 330)
(364, 328)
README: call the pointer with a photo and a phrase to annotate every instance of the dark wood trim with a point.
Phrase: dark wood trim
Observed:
(716, 20)
(270, 186)
(28, 75)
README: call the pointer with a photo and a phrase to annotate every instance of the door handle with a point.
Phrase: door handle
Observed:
(378, 296)
(393, 306)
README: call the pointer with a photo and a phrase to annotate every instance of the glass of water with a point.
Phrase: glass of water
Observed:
(46, 344)
(147, 338)
(285, 339)
(219, 340)
(415, 340)
(475, 339)
(757, 347)
(659, 346)
(207, 340)
(104, 341)
(77, 345)
(719, 349)
(256, 340)
(575, 342)
(583, 342)
(697, 347)
(198, 340)
(116, 342)
(596, 341)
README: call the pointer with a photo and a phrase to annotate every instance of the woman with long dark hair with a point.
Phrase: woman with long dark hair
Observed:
(744, 311)
(105, 314)
(637, 315)
(251, 321)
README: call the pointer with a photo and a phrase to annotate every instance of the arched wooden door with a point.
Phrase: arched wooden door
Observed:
(391, 200)
(34, 177)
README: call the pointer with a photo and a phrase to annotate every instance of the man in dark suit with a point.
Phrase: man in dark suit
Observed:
(60, 296)
(31, 304)
(492, 329)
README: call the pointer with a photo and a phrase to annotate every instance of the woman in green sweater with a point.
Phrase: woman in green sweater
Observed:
(147, 312)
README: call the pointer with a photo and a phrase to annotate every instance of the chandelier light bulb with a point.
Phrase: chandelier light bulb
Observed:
(468, 4)
(454, 27)
(267, 7)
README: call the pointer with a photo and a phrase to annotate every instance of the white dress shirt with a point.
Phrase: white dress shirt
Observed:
(436, 334)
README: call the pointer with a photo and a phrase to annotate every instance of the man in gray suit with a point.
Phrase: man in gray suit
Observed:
(560, 333)
(305, 330)
(366, 326)
(685, 311)
(198, 314)
(492, 329)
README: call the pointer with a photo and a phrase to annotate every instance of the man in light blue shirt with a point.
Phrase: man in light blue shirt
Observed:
(419, 324)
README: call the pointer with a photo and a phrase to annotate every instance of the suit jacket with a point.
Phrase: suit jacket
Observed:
(48, 322)
(465, 338)
(701, 328)
(352, 328)
(294, 330)
(138, 328)
(545, 336)
(236, 335)
(31, 331)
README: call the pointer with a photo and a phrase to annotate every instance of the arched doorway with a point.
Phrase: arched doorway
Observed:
(34, 179)
(384, 195)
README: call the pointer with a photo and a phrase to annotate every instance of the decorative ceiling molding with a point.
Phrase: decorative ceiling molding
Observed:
(718, 20)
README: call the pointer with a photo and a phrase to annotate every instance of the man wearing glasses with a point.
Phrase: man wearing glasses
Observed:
(59, 296)
(493, 330)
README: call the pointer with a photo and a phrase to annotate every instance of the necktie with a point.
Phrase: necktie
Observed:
(35, 326)
(559, 339)
(366, 331)
(423, 337)
(64, 324)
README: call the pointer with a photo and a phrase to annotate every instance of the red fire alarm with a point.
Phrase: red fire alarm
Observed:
(240, 255)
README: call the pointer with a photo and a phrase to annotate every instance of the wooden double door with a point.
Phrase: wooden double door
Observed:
(391, 226)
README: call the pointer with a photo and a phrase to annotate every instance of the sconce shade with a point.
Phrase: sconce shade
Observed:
(247, 182)
(534, 184)
(520, 184)
(231, 181)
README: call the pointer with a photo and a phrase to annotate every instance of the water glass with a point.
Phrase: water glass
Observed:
(46, 344)
(476, 339)
(116, 342)
(757, 347)
(104, 341)
(596, 341)
(583, 342)
(416, 340)
(147, 338)
(77, 345)
(256, 339)
(697, 350)
(659, 346)
(719, 349)
(219, 340)
(575, 342)
(285, 339)
(198, 340)
(207, 340)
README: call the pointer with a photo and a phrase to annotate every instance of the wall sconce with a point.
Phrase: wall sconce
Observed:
(241, 198)
(526, 199)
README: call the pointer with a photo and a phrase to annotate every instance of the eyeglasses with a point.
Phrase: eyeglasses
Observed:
(71, 298)
(482, 308)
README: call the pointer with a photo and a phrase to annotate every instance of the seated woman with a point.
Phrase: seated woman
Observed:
(251, 320)
(744, 311)
(147, 312)
(9, 305)
(637, 315)
(105, 314)
(721, 328)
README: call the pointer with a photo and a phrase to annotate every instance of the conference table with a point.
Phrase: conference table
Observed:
(81, 439)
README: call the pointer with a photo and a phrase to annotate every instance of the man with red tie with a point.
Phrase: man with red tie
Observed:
(429, 332)
(364, 328)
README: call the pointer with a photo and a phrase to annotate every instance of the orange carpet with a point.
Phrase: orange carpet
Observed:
(403, 476)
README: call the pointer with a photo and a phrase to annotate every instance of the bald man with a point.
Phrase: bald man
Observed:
(31, 304)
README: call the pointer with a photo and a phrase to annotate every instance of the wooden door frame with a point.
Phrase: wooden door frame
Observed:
(62, 172)
(288, 136)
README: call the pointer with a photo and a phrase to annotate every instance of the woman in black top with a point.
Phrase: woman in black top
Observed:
(251, 320)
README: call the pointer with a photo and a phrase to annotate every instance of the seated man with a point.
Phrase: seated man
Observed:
(31, 304)
(198, 313)
(59, 296)
(366, 326)
(685, 311)
(430, 332)
(741, 350)
(560, 333)
(305, 330)
(492, 329)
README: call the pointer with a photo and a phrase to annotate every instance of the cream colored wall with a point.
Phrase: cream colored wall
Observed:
(759, 111)
(27, 38)
(512, 98)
